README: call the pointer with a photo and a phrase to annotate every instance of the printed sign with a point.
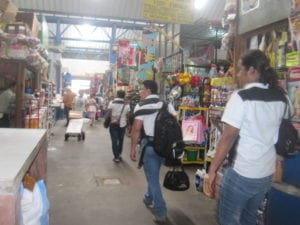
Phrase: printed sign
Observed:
(170, 11)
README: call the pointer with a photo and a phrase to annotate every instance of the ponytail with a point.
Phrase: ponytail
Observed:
(259, 61)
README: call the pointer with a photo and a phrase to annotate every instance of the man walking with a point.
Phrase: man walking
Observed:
(145, 115)
(118, 111)
(68, 100)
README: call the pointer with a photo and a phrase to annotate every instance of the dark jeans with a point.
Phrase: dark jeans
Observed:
(4, 121)
(117, 137)
(67, 112)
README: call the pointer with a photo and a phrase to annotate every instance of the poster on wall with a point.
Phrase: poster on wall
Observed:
(249, 5)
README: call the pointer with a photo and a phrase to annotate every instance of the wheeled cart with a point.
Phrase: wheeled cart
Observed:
(75, 129)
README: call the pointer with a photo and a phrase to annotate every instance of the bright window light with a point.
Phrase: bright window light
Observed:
(199, 4)
(86, 31)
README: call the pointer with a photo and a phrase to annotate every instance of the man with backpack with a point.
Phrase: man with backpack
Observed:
(145, 117)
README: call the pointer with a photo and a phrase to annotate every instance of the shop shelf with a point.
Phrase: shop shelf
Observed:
(193, 108)
(199, 161)
(194, 148)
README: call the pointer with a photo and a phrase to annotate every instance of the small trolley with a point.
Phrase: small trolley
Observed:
(76, 127)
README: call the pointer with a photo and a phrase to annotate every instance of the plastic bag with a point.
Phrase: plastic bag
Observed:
(34, 205)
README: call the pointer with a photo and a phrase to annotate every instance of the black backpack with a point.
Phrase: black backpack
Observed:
(287, 138)
(167, 133)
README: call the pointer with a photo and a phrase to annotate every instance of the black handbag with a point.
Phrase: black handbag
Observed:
(287, 138)
(176, 180)
(106, 122)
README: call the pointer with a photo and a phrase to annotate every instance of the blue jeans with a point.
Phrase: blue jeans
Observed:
(152, 164)
(117, 138)
(240, 198)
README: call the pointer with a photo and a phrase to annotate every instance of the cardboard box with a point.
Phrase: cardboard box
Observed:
(31, 20)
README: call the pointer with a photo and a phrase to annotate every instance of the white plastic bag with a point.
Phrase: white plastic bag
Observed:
(34, 205)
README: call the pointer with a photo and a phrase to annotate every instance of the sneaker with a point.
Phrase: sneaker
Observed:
(160, 219)
(116, 160)
(120, 158)
(148, 204)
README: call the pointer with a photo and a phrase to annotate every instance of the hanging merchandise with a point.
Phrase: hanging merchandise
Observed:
(262, 45)
(196, 81)
(123, 53)
(172, 79)
(254, 42)
(123, 76)
(294, 24)
(145, 72)
(272, 49)
(281, 49)
(213, 71)
(206, 92)
(184, 78)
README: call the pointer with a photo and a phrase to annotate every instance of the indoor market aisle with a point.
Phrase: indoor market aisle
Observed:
(85, 187)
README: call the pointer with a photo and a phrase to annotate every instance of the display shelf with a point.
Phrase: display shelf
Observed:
(190, 148)
(194, 148)
(199, 161)
(193, 108)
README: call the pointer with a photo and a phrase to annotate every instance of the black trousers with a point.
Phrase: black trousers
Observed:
(117, 138)
(67, 112)
(5, 121)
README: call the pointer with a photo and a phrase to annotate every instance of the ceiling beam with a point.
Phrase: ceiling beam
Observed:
(81, 39)
(53, 17)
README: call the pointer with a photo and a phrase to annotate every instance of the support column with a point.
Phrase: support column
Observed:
(57, 40)
(112, 53)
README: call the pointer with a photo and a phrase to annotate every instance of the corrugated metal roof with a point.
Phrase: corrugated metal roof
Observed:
(121, 9)
(125, 9)
(212, 12)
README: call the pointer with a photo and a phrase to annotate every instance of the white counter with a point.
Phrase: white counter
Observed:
(18, 149)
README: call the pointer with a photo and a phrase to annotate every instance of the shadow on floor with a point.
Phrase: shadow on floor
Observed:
(178, 217)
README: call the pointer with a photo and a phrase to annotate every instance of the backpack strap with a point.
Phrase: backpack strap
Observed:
(149, 101)
(118, 102)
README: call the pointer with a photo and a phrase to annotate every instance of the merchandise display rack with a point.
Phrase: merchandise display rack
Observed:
(190, 149)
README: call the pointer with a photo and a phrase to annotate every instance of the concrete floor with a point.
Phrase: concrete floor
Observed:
(79, 194)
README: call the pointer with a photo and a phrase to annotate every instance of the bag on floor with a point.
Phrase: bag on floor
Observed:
(176, 180)
(34, 205)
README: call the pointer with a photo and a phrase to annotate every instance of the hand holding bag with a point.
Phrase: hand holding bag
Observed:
(176, 180)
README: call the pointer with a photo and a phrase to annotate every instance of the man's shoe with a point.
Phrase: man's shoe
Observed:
(116, 160)
(148, 204)
(160, 219)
